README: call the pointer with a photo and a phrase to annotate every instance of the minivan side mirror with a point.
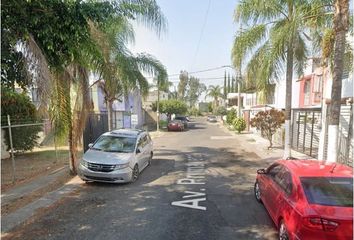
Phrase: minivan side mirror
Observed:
(90, 145)
(138, 150)
(261, 171)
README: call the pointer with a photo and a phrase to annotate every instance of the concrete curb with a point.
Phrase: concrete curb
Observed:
(30, 187)
(20, 216)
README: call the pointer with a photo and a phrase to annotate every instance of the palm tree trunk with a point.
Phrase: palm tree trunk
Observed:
(341, 22)
(289, 78)
(71, 151)
(109, 114)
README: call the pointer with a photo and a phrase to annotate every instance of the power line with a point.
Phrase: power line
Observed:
(200, 71)
(201, 34)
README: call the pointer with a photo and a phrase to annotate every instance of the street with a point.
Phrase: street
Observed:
(199, 186)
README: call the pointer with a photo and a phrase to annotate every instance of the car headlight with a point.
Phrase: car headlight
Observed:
(84, 163)
(121, 166)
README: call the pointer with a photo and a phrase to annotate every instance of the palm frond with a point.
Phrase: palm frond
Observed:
(246, 41)
(146, 12)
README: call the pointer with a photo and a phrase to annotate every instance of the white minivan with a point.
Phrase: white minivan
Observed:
(118, 156)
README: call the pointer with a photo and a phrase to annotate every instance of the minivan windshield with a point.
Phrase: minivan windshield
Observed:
(115, 144)
(329, 191)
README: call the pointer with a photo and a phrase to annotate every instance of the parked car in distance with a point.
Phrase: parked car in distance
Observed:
(175, 125)
(308, 199)
(117, 156)
(184, 120)
(212, 118)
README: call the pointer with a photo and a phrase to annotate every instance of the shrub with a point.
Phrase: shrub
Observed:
(210, 107)
(221, 111)
(21, 110)
(239, 124)
(268, 122)
(163, 123)
(231, 115)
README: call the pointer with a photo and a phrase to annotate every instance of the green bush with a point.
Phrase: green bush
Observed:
(231, 115)
(21, 111)
(239, 124)
(221, 111)
(163, 124)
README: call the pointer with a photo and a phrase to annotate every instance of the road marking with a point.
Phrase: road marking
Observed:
(191, 203)
(222, 137)
(195, 175)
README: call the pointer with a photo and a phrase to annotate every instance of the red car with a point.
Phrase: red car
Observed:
(175, 125)
(308, 199)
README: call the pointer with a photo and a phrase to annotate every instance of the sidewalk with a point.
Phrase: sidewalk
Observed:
(251, 142)
(47, 199)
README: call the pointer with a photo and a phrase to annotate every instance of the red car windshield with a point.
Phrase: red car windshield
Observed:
(329, 191)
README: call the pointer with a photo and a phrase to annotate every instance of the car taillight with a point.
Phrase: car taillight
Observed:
(321, 224)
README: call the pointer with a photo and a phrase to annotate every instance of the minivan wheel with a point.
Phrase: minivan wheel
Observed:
(283, 232)
(135, 173)
(257, 192)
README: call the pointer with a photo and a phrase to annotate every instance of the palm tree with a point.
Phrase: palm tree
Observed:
(62, 77)
(275, 40)
(340, 26)
(215, 93)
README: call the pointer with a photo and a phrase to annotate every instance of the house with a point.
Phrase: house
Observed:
(152, 98)
(123, 108)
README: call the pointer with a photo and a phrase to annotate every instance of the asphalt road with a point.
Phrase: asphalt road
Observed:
(199, 186)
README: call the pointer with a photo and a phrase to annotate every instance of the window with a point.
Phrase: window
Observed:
(115, 144)
(142, 142)
(286, 182)
(274, 170)
(328, 191)
(307, 92)
(282, 177)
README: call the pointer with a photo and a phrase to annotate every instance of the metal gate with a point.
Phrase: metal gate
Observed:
(97, 124)
(306, 127)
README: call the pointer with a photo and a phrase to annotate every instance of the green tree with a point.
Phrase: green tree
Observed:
(21, 110)
(215, 93)
(172, 106)
(182, 85)
(225, 87)
(277, 34)
(228, 84)
(59, 42)
(194, 90)
(210, 107)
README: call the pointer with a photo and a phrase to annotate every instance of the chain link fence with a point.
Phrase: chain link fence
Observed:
(29, 149)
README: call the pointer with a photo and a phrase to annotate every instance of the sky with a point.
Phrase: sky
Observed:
(199, 36)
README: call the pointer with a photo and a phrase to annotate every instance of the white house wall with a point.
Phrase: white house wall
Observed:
(280, 94)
